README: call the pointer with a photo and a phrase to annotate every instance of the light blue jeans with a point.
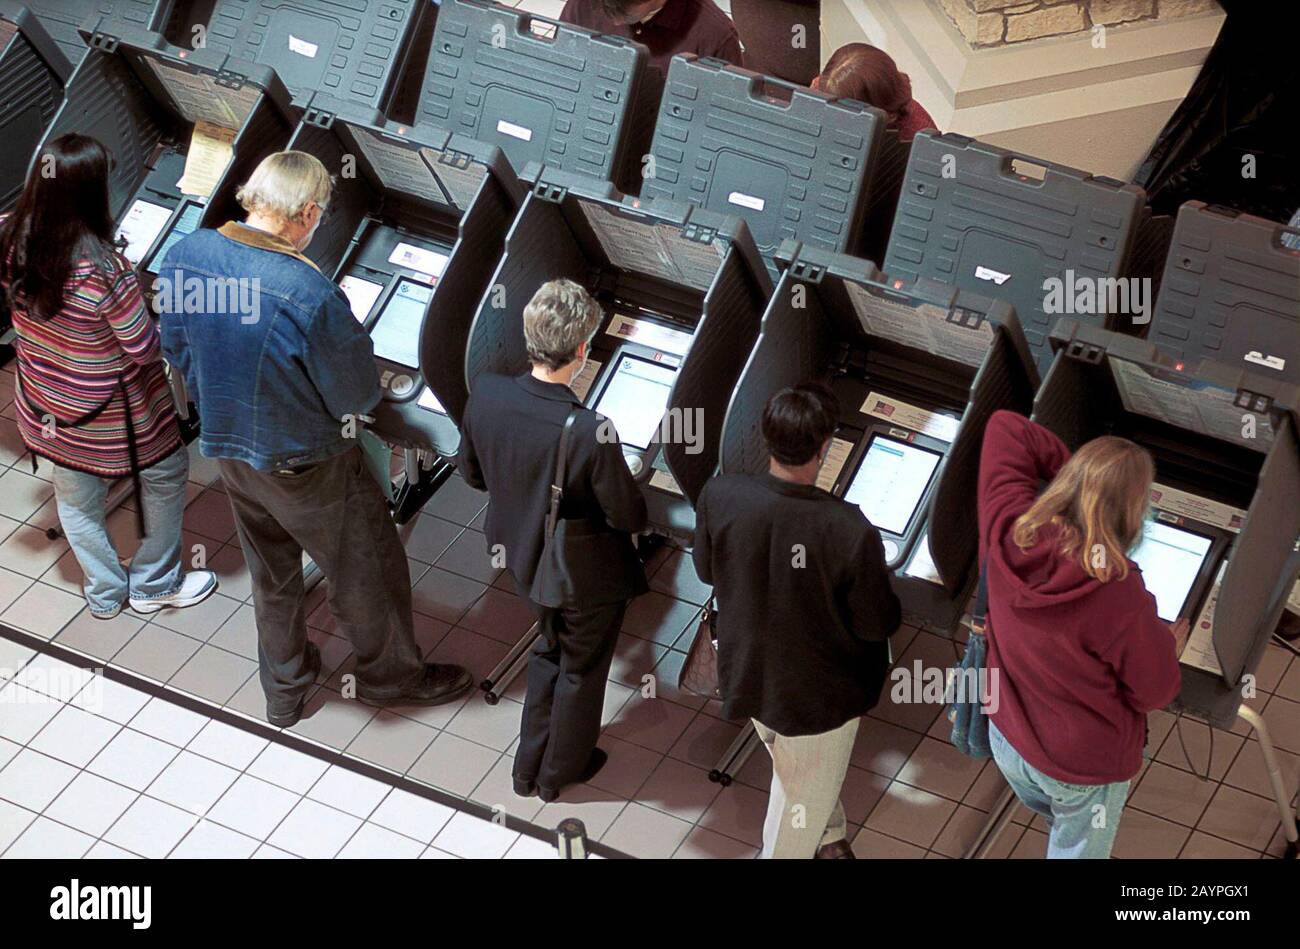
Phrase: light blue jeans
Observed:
(155, 570)
(1083, 818)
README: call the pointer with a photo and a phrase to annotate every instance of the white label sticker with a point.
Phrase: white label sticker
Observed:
(428, 400)
(987, 273)
(1269, 362)
(665, 482)
(650, 334)
(427, 263)
(942, 427)
(746, 200)
(514, 131)
(1199, 651)
(921, 565)
(1173, 501)
(361, 295)
(302, 47)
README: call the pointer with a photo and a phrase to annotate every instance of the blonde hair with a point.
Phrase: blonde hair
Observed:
(1099, 501)
(559, 318)
(284, 184)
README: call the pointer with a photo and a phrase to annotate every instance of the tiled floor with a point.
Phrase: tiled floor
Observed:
(908, 792)
(93, 768)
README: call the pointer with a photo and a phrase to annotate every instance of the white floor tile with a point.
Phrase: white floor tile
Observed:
(32, 779)
(46, 840)
(170, 723)
(103, 851)
(253, 807)
(469, 836)
(314, 830)
(75, 736)
(13, 821)
(348, 791)
(209, 841)
(133, 759)
(91, 804)
(24, 712)
(267, 852)
(376, 843)
(112, 700)
(192, 783)
(412, 815)
(287, 768)
(231, 746)
(150, 828)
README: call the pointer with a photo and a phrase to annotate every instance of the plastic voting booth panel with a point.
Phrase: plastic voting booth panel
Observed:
(180, 125)
(33, 71)
(918, 369)
(1220, 548)
(1038, 235)
(541, 90)
(67, 20)
(351, 49)
(796, 164)
(416, 226)
(682, 291)
(1231, 292)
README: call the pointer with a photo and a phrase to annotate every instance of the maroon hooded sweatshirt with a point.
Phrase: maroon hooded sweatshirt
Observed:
(1078, 662)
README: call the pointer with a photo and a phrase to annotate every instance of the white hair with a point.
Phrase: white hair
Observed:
(284, 184)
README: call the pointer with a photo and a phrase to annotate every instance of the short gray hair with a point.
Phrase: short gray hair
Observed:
(284, 184)
(559, 318)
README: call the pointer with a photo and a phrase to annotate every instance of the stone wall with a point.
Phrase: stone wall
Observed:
(986, 23)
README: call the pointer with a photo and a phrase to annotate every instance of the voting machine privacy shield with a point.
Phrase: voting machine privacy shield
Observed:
(33, 71)
(351, 49)
(1231, 292)
(66, 20)
(180, 125)
(682, 291)
(918, 367)
(796, 164)
(1220, 547)
(541, 90)
(414, 231)
(1016, 228)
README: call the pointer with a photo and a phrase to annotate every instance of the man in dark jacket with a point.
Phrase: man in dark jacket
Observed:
(664, 27)
(509, 446)
(805, 610)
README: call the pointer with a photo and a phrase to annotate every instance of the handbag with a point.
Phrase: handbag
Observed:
(699, 673)
(583, 564)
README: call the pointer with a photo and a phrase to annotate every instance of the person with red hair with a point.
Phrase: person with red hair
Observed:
(863, 72)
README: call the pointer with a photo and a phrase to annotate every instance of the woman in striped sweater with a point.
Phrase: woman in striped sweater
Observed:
(92, 397)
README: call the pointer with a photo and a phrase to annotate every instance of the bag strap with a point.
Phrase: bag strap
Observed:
(557, 487)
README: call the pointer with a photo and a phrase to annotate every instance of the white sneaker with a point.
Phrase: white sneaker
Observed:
(196, 587)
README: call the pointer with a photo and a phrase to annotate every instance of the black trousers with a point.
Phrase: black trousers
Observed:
(334, 511)
(567, 673)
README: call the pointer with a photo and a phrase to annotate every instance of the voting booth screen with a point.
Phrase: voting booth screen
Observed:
(396, 333)
(1224, 438)
(891, 481)
(1231, 292)
(1171, 559)
(991, 221)
(540, 90)
(64, 19)
(793, 162)
(636, 398)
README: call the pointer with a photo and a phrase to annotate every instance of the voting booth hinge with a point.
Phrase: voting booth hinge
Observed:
(806, 272)
(455, 159)
(102, 42)
(318, 117)
(1084, 352)
(1259, 404)
(231, 80)
(698, 233)
(549, 192)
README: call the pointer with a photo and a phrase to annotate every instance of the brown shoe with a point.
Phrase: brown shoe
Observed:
(835, 850)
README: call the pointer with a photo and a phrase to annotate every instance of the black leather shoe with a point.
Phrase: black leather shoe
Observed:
(438, 685)
(311, 656)
(594, 764)
(525, 788)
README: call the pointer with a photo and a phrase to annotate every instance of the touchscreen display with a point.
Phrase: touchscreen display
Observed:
(636, 399)
(187, 223)
(890, 482)
(396, 333)
(1170, 558)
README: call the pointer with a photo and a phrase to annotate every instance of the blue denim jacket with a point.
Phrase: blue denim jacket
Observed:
(277, 364)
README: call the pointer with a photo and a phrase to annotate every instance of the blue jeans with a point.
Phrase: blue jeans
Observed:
(155, 570)
(1083, 818)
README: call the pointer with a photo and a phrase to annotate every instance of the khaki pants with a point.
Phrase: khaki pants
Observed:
(804, 810)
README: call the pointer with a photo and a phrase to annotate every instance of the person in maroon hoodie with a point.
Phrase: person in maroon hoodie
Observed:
(1077, 655)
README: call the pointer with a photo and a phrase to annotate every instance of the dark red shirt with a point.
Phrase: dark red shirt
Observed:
(682, 26)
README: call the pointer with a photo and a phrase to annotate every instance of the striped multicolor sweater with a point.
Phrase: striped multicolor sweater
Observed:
(71, 363)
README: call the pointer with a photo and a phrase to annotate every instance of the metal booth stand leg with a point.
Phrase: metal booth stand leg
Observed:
(734, 758)
(1290, 820)
(1004, 808)
(508, 669)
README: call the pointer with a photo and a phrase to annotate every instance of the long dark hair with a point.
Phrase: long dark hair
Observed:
(863, 72)
(60, 220)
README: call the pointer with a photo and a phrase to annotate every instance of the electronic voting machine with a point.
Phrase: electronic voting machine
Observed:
(918, 369)
(682, 290)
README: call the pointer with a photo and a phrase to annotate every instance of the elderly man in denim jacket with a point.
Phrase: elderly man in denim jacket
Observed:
(283, 376)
